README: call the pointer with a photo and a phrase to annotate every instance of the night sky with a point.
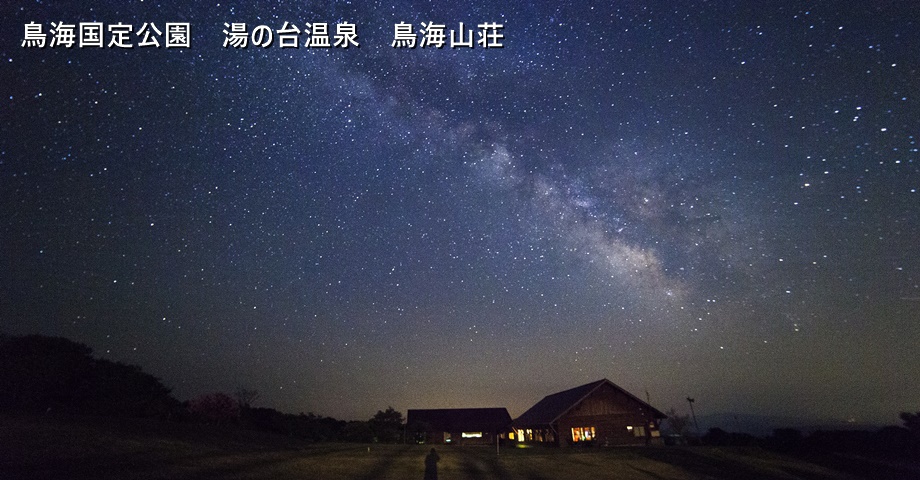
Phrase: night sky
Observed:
(713, 199)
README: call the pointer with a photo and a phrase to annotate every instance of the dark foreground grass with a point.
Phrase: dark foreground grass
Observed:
(88, 448)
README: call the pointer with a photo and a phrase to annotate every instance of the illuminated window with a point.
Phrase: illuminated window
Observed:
(636, 431)
(582, 434)
(471, 434)
(520, 435)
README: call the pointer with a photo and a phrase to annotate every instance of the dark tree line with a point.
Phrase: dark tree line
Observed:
(40, 374)
(890, 440)
(386, 426)
(303, 426)
(43, 374)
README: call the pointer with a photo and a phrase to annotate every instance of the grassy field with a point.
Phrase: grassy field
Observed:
(43, 448)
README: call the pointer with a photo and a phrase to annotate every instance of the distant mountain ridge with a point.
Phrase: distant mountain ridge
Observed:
(763, 425)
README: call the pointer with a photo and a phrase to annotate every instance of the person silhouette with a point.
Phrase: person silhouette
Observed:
(431, 465)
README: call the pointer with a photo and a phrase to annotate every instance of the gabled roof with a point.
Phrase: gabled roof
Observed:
(461, 419)
(553, 406)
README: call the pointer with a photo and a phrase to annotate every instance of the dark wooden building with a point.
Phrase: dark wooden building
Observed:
(599, 413)
(464, 426)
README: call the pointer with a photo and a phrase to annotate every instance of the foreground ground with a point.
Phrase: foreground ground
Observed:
(39, 448)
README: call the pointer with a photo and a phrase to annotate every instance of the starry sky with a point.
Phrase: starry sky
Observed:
(704, 198)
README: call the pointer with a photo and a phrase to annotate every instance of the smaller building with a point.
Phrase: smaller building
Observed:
(599, 413)
(463, 426)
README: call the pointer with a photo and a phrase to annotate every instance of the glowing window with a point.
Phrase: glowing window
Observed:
(582, 434)
(636, 431)
(471, 434)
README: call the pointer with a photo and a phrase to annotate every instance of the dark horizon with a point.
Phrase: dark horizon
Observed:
(43, 370)
(708, 199)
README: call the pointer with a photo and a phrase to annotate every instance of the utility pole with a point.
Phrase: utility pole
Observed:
(690, 401)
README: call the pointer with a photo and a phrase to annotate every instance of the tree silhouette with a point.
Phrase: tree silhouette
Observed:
(911, 421)
(912, 424)
(43, 373)
(215, 407)
(246, 398)
(387, 425)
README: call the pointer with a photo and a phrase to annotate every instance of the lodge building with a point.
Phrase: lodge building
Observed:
(598, 413)
(459, 426)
